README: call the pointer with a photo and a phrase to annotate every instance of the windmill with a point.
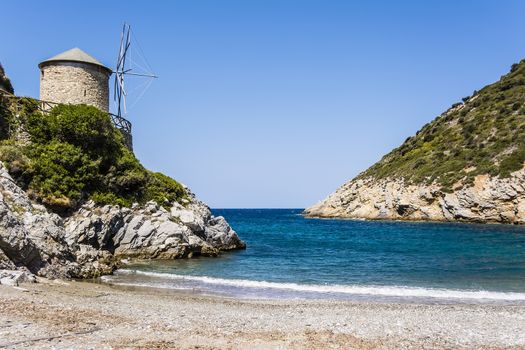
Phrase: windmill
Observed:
(130, 62)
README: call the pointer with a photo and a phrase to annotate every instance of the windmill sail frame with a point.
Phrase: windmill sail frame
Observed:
(121, 70)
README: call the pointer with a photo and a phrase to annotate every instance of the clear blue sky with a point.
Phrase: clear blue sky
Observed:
(276, 103)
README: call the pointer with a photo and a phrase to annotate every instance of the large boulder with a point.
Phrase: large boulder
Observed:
(14, 277)
(151, 231)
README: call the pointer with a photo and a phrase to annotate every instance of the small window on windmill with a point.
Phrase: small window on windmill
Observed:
(85, 92)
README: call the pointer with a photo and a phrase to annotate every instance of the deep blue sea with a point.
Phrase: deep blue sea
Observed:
(291, 257)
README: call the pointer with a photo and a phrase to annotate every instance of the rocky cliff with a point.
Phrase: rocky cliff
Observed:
(465, 165)
(489, 199)
(93, 240)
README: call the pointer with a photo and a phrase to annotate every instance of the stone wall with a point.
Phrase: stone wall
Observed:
(128, 139)
(75, 83)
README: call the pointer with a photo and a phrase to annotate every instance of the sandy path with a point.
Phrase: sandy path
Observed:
(84, 315)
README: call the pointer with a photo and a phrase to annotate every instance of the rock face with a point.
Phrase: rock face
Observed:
(5, 83)
(33, 239)
(92, 241)
(152, 232)
(489, 199)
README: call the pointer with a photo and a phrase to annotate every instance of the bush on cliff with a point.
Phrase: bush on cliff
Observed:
(59, 172)
(75, 154)
(82, 126)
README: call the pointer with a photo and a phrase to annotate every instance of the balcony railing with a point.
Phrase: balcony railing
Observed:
(45, 106)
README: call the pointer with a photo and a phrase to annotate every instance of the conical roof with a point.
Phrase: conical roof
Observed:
(74, 55)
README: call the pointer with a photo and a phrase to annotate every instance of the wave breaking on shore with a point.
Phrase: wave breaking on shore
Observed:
(271, 290)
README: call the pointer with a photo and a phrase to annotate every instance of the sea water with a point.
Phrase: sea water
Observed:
(292, 257)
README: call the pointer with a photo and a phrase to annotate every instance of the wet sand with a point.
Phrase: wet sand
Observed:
(82, 315)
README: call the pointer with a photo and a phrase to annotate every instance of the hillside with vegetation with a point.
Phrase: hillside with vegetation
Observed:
(73, 154)
(484, 134)
(475, 144)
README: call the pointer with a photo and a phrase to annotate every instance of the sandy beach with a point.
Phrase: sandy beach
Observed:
(82, 315)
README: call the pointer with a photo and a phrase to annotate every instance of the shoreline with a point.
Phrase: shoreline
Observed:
(241, 289)
(409, 220)
(94, 315)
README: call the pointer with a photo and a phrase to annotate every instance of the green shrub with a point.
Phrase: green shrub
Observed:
(60, 173)
(14, 156)
(83, 126)
(110, 198)
(512, 162)
(163, 189)
(5, 116)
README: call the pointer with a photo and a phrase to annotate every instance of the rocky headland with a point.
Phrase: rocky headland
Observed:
(490, 199)
(76, 203)
(466, 165)
(94, 239)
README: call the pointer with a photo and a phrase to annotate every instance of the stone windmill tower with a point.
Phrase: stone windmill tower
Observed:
(74, 77)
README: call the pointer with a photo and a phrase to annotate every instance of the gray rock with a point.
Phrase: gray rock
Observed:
(153, 232)
(5, 262)
(489, 199)
(192, 216)
(31, 237)
(220, 235)
(15, 277)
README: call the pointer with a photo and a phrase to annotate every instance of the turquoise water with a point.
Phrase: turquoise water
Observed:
(289, 256)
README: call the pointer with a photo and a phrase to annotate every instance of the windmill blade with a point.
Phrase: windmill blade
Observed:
(125, 51)
(115, 84)
(119, 57)
(120, 93)
(122, 59)
(117, 94)
(123, 94)
(124, 45)
(118, 86)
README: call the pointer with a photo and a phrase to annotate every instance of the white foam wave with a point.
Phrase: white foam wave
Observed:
(383, 291)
